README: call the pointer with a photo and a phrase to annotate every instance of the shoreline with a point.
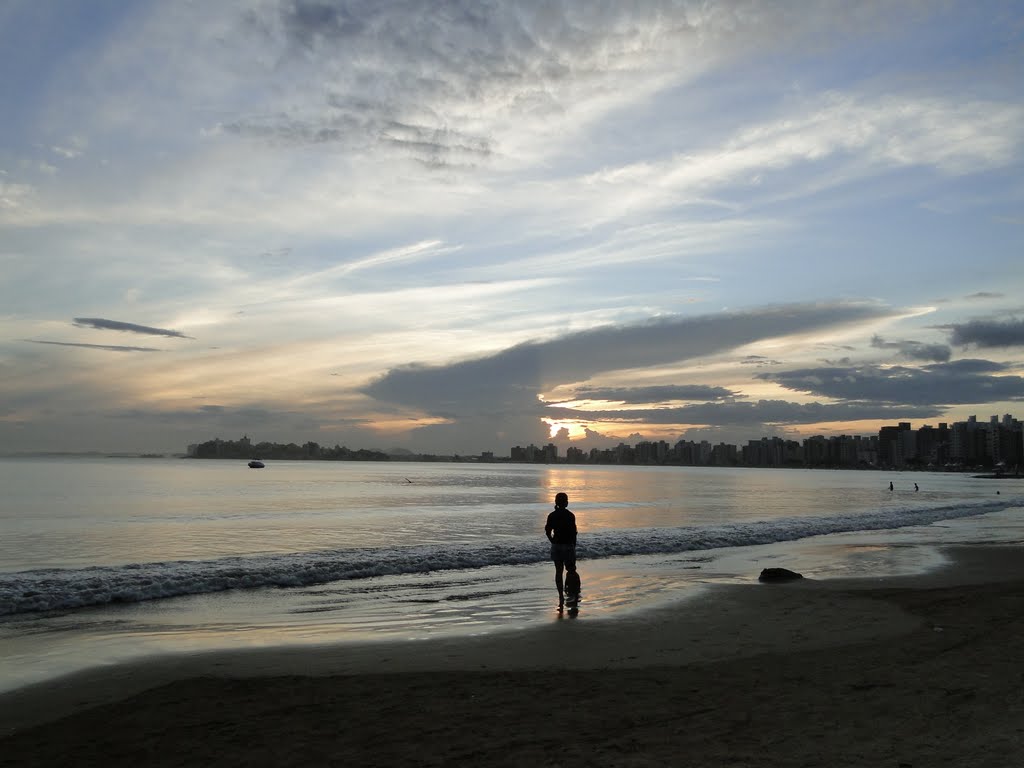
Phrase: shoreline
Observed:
(718, 676)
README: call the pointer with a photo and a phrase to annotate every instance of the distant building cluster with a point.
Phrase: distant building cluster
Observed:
(996, 444)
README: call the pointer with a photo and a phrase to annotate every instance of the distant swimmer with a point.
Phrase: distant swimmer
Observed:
(890, 486)
(916, 488)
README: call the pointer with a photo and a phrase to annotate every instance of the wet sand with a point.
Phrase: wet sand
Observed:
(910, 671)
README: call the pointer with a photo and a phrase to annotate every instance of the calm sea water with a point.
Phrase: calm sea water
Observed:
(102, 559)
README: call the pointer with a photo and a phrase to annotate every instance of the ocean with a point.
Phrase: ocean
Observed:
(104, 560)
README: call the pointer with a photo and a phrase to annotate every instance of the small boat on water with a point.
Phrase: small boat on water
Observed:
(256, 464)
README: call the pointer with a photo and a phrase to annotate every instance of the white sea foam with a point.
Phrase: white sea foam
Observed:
(67, 589)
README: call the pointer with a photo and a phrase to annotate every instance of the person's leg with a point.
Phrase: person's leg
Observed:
(559, 565)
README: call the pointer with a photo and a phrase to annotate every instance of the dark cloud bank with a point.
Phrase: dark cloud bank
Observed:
(988, 333)
(516, 376)
(497, 397)
(961, 382)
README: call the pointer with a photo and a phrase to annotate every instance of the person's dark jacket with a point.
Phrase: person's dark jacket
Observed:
(561, 527)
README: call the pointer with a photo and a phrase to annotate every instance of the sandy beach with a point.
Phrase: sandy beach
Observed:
(911, 671)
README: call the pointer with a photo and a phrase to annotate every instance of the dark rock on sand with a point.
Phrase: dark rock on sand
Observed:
(779, 574)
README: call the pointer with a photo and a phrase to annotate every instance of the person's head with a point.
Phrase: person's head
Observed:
(561, 500)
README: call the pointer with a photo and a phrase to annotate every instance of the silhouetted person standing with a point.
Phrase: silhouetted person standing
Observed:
(561, 532)
(890, 486)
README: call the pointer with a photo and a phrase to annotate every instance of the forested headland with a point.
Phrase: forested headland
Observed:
(246, 449)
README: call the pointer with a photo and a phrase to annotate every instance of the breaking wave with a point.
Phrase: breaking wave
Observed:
(66, 589)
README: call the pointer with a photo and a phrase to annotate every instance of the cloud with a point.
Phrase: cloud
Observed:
(209, 416)
(429, 85)
(404, 255)
(115, 325)
(106, 347)
(841, 138)
(982, 295)
(307, 22)
(519, 374)
(988, 333)
(774, 412)
(758, 360)
(914, 350)
(954, 383)
(654, 394)
(69, 151)
(15, 196)
(457, 82)
(496, 399)
(433, 146)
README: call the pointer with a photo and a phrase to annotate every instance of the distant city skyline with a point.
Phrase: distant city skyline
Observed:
(999, 440)
(995, 444)
(452, 229)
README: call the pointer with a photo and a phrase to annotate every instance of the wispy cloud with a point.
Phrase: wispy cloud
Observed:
(850, 135)
(768, 412)
(402, 255)
(14, 196)
(104, 347)
(985, 295)
(654, 394)
(102, 324)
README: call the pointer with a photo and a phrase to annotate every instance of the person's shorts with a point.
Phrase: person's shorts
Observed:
(564, 554)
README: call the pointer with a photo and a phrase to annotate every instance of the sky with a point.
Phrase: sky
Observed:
(459, 226)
